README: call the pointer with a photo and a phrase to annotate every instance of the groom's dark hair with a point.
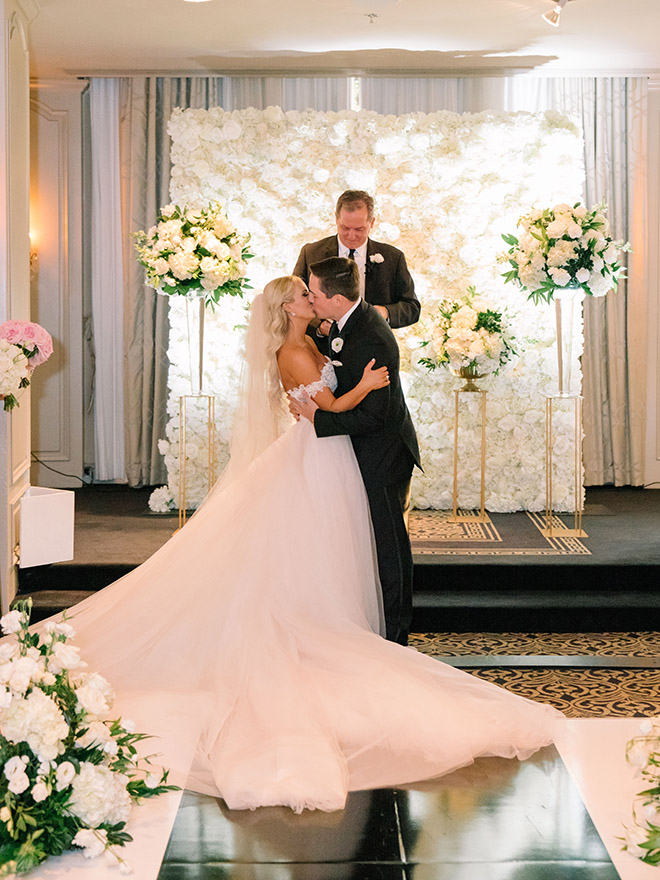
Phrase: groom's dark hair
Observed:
(337, 275)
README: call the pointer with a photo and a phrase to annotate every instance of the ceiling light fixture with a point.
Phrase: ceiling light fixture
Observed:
(551, 17)
(371, 16)
(196, 1)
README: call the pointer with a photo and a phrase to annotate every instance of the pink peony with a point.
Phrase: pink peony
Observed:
(29, 335)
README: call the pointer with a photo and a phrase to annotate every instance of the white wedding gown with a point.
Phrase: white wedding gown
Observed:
(248, 644)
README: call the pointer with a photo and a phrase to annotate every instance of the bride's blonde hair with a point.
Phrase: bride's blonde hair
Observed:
(276, 294)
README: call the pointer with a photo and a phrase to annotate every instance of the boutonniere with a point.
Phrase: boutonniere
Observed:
(376, 258)
(337, 344)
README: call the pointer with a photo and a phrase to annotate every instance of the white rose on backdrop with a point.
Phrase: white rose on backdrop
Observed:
(582, 275)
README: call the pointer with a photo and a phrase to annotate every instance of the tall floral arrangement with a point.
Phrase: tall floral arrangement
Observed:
(23, 346)
(468, 333)
(564, 247)
(69, 773)
(642, 837)
(194, 253)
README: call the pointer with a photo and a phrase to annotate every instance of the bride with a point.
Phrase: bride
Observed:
(249, 643)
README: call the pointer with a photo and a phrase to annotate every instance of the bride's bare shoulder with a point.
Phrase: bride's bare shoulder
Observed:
(298, 364)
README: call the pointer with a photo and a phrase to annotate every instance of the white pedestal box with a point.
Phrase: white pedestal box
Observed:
(46, 526)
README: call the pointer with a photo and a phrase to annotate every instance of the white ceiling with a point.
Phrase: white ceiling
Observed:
(97, 36)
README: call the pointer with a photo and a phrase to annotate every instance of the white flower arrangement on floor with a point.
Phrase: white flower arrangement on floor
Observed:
(69, 773)
(564, 247)
(468, 334)
(194, 253)
(23, 346)
(642, 838)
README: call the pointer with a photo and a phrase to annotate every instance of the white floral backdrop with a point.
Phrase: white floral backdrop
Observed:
(446, 186)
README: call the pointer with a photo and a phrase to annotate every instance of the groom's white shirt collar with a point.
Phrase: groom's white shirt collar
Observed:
(342, 321)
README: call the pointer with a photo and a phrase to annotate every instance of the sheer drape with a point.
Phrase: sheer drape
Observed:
(107, 282)
(146, 104)
(613, 113)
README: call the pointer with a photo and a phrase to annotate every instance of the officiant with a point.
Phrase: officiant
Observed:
(385, 281)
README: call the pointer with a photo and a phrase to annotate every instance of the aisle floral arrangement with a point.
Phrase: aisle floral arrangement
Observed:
(23, 346)
(194, 253)
(642, 838)
(70, 774)
(469, 335)
(564, 247)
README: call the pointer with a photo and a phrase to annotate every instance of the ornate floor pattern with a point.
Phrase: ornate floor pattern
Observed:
(579, 693)
(432, 533)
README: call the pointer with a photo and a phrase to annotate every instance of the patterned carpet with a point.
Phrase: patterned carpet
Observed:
(579, 693)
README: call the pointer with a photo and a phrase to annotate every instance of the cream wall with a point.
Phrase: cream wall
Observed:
(14, 267)
(57, 279)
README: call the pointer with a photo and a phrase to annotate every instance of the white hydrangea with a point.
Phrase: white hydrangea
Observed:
(99, 796)
(36, 720)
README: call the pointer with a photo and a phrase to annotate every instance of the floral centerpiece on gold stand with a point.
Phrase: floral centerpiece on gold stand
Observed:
(470, 337)
(197, 254)
(563, 254)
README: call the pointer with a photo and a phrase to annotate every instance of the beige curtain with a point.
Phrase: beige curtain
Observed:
(146, 104)
(145, 108)
(613, 113)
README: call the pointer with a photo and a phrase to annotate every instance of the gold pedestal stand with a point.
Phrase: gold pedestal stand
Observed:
(551, 521)
(210, 424)
(482, 516)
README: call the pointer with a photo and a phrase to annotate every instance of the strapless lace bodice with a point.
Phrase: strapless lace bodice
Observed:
(328, 379)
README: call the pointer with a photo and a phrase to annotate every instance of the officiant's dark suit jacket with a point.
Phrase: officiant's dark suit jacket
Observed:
(385, 284)
(386, 450)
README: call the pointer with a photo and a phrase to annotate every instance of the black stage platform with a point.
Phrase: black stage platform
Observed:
(503, 576)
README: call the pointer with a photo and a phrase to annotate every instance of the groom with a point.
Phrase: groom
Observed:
(380, 427)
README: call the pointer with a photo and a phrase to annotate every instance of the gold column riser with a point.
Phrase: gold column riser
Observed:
(578, 483)
(482, 516)
(211, 461)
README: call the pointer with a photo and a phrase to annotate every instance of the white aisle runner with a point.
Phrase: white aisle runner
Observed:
(150, 824)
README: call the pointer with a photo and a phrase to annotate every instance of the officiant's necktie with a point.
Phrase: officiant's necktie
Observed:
(351, 254)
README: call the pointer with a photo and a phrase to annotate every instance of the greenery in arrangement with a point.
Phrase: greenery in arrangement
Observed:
(642, 837)
(564, 247)
(69, 773)
(194, 253)
(468, 334)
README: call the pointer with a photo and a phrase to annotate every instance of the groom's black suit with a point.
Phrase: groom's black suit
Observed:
(386, 449)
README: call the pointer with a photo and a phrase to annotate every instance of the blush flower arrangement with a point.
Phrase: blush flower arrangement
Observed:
(23, 346)
(194, 253)
(468, 334)
(69, 773)
(564, 247)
